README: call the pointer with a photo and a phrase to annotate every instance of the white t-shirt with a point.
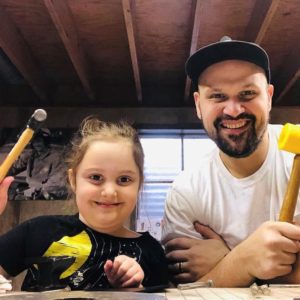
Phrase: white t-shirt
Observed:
(232, 207)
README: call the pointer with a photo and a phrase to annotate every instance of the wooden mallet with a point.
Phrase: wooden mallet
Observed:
(289, 140)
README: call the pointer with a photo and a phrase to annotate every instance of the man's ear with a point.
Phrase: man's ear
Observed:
(270, 92)
(197, 104)
(72, 179)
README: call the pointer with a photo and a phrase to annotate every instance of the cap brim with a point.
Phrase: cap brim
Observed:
(227, 50)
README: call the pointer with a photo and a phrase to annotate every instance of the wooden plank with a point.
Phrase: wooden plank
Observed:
(66, 27)
(15, 47)
(261, 18)
(129, 13)
(257, 19)
(193, 47)
(267, 21)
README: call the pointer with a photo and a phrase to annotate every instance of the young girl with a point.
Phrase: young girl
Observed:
(105, 174)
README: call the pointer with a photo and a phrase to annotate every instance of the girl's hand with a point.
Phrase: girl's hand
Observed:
(4, 185)
(124, 272)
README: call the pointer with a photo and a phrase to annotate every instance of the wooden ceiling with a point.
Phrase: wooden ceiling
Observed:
(131, 53)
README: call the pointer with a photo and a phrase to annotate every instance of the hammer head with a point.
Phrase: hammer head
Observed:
(289, 139)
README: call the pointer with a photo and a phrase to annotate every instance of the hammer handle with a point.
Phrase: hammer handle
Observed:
(289, 202)
(15, 152)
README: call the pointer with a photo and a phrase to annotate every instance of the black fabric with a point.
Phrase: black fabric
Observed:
(226, 49)
(36, 237)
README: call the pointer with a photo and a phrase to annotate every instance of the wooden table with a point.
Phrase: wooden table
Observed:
(231, 294)
(291, 293)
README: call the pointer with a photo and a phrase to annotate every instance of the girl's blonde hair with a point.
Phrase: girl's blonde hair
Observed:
(93, 129)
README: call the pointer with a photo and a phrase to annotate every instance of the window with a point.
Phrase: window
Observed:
(166, 154)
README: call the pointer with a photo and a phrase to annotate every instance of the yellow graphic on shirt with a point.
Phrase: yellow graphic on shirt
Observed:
(78, 246)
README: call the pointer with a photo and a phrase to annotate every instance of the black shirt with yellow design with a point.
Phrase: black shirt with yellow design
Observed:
(53, 236)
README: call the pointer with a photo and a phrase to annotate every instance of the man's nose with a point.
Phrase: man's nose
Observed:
(233, 108)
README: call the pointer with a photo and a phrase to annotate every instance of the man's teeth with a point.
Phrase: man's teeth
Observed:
(234, 125)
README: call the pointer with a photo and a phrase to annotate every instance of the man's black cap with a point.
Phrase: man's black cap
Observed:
(226, 49)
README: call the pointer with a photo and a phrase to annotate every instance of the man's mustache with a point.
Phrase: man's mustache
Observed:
(219, 120)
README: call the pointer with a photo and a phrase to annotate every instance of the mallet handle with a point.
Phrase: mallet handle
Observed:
(291, 195)
(24, 139)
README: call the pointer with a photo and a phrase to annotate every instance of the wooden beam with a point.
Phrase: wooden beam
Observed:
(128, 10)
(194, 45)
(257, 18)
(288, 87)
(66, 27)
(16, 48)
(154, 117)
(267, 21)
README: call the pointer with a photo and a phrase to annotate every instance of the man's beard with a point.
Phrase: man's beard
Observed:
(241, 145)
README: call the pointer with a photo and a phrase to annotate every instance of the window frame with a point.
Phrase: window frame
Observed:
(181, 134)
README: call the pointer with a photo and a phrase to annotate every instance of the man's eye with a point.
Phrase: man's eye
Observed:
(247, 94)
(124, 179)
(217, 96)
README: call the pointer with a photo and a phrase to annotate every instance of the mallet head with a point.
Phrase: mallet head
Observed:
(289, 139)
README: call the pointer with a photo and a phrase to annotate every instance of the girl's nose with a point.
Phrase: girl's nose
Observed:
(233, 108)
(109, 192)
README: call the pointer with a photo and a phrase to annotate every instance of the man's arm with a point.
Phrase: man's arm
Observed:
(197, 256)
(268, 253)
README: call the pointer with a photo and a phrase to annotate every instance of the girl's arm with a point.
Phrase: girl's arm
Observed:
(4, 185)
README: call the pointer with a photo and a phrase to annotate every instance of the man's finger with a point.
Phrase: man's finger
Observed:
(178, 243)
(206, 231)
(184, 278)
(176, 256)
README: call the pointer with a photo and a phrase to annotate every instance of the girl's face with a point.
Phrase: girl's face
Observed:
(106, 185)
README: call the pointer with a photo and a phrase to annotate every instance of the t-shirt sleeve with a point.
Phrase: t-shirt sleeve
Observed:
(12, 249)
(179, 214)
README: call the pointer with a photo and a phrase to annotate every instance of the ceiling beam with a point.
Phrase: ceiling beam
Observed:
(267, 21)
(63, 20)
(16, 48)
(194, 45)
(289, 85)
(128, 10)
(260, 20)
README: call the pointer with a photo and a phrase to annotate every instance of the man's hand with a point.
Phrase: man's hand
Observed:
(270, 251)
(124, 272)
(197, 257)
(4, 185)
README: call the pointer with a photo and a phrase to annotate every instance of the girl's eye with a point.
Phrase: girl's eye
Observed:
(96, 177)
(124, 180)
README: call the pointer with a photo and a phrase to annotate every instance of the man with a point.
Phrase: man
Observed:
(45, 171)
(230, 197)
